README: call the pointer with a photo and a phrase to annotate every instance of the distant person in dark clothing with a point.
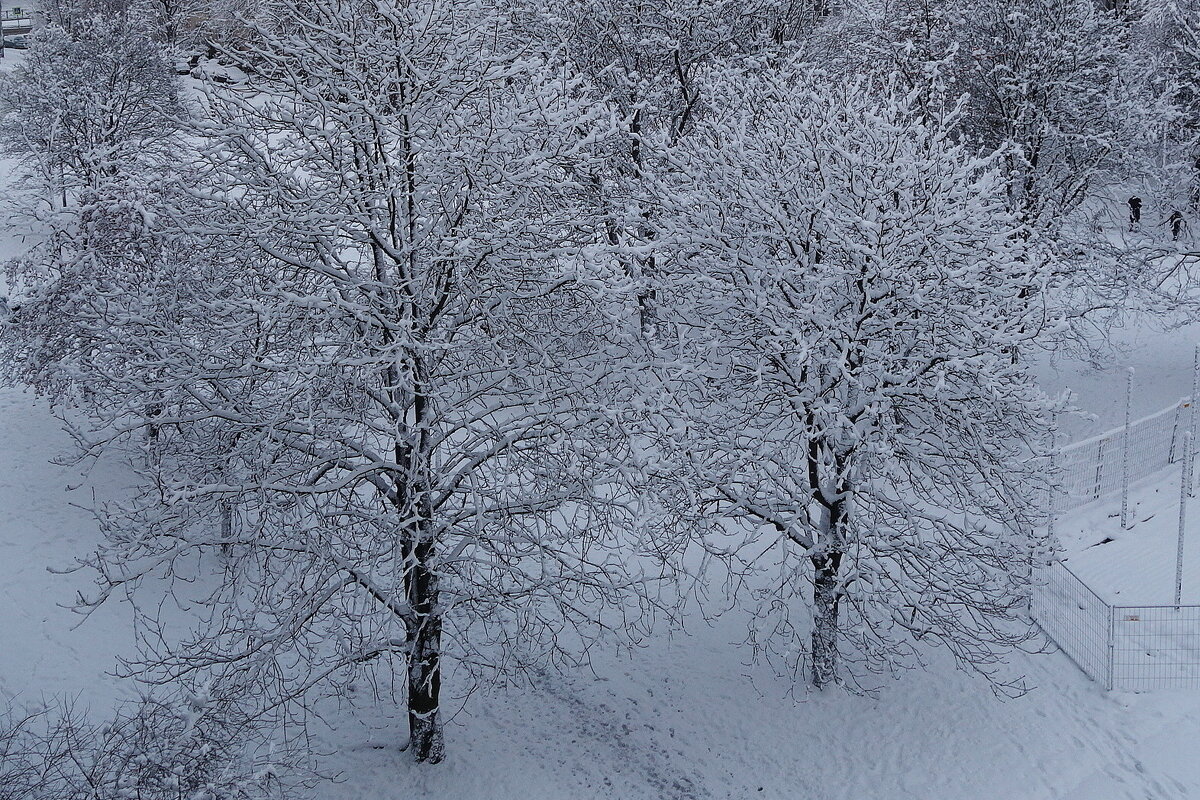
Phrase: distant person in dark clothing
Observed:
(1135, 212)
(1175, 222)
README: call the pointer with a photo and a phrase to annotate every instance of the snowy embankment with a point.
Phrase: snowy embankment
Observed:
(1135, 566)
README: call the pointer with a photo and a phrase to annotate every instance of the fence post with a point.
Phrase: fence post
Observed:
(1184, 480)
(1125, 441)
(1192, 407)
(1175, 428)
(1112, 655)
(1055, 457)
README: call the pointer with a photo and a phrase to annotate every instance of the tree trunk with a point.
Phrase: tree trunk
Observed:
(424, 668)
(226, 528)
(154, 410)
(825, 618)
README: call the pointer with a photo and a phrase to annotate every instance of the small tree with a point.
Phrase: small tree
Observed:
(848, 284)
(95, 99)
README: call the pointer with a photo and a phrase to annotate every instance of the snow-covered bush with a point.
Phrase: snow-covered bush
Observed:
(93, 114)
(149, 750)
(91, 102)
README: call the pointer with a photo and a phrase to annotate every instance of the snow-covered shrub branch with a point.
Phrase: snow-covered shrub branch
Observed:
(189, 749)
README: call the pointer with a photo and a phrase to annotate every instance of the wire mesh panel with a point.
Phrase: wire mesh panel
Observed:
(1076, 619)
(1093, 468)
(1122, 647)
(1156, 647)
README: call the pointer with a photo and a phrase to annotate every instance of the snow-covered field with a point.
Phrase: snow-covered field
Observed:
(1136, 566)
(686, 717)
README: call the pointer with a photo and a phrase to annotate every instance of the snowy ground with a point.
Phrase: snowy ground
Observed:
(40, 527)
(687, 721)
(1136, 566)
(684, 717)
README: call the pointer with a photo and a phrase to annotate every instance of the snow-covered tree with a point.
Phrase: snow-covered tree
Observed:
(849, 285)
(913, 40)
(396, 367)
(648, 60)
(1047, 77)
(644, 58)
(1170, 38)
(93, 115)
(92, 100)
(1066, 91)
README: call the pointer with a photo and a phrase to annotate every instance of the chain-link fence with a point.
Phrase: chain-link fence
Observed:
(1121, 647)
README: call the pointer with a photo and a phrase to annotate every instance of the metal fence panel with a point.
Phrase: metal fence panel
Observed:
(1156, 647)
(1134, 648)
(1076, 619)
(1092, 469)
